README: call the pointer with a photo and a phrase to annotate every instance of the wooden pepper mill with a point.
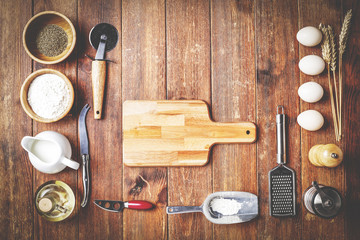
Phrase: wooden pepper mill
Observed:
(325, 155)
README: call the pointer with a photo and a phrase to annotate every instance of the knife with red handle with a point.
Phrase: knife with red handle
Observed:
(118, 206)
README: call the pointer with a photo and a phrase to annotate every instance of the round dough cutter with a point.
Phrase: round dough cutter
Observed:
(104, 38)
(106, 29)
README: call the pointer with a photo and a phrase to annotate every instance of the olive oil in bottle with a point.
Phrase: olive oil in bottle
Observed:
(54, 201)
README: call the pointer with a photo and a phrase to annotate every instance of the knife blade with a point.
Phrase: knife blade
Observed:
(118, 206)
(84, 151)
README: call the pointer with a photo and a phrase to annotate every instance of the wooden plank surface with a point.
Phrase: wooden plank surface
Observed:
(16, 173)
(105, 161)
(42, 228)
(240, 57)
(233, 88)
(351, 123)
(318, 227)
(144, 77)
(188, 77)
(277, 83)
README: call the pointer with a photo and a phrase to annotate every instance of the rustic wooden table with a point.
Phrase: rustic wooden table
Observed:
(240, 57)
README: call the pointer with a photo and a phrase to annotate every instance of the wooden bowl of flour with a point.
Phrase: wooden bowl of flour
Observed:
(47, 95)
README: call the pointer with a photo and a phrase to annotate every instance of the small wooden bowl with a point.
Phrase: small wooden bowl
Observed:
(39, 21)
(24, 95)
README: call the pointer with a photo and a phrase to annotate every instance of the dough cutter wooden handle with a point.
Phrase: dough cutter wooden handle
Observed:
(98, 75)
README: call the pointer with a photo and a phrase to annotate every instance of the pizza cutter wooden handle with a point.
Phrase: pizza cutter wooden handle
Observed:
(98, 75)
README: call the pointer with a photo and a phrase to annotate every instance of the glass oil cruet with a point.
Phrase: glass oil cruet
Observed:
(54, 200)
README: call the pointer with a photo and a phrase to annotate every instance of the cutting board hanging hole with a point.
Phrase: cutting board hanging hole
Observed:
(248, 132)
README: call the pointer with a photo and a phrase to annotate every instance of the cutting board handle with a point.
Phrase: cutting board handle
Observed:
(244, 132)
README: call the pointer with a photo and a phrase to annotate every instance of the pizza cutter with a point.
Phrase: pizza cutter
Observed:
(104, 38)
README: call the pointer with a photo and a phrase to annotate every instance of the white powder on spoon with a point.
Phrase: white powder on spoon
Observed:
(225, 206)
(48, 96)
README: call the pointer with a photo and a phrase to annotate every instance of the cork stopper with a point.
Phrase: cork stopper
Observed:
(45, 205)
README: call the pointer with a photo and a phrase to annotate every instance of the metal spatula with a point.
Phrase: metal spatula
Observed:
(281, 178)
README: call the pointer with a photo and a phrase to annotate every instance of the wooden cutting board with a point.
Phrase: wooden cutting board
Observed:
(175, 133)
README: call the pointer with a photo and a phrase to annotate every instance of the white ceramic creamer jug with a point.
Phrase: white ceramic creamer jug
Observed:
(49, 152)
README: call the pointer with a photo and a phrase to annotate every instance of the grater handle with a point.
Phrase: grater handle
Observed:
(280, 136)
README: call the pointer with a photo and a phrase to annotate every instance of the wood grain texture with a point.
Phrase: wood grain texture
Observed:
(98, 77)
(105, 160)
(16, 173)
(277, 83)
(188, 77)
(351, 122)
(233, 100)
(144, 77)
(67, 126)
(208, 50)
(318, 227)
(175, 133)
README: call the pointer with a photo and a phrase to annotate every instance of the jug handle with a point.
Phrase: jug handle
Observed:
(70, 163)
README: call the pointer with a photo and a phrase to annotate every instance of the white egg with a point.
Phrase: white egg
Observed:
(309, 36)
(312, 65)
(310, 92)
(310, 120)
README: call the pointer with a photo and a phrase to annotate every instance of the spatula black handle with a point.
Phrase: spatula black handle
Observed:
(280, 136)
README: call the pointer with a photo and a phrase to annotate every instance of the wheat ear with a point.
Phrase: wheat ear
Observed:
(326, 53)
(333, 53)
(344, 35)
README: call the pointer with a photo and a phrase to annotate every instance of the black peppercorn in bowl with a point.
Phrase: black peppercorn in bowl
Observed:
(49, 37)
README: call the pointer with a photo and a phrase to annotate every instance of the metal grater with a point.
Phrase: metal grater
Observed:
(281, 178)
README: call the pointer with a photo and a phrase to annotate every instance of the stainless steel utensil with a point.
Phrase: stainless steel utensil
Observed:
(248, 209)
(281, 178)
(323, 201)
(118, 206)
(84, 151)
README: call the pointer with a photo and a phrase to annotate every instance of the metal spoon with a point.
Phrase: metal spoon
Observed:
(248, 210)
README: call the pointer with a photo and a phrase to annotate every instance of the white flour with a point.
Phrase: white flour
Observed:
(225, 206)
(48, 96)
